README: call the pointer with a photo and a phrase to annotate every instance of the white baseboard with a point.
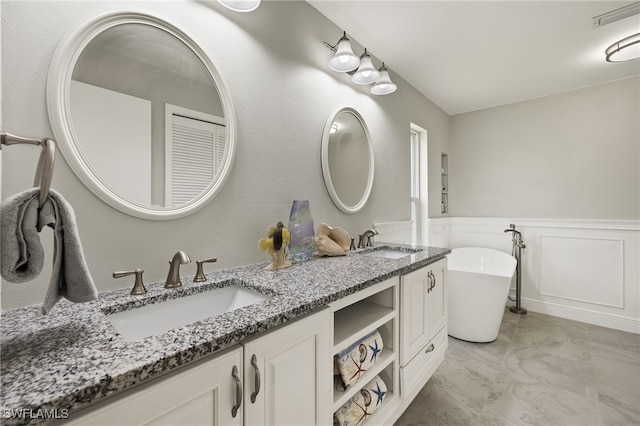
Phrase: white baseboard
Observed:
(631, 325)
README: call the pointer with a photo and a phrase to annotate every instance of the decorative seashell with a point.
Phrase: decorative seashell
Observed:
(325, 246)
(337, 234)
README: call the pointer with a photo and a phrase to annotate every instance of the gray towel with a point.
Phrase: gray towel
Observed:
(22, 253)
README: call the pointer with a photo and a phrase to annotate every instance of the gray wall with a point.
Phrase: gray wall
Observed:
(275, 67)
(573, 155)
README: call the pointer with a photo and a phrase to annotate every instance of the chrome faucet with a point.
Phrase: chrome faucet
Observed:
(365, 238)
(516, 252)
(517, 237)
(173, 278)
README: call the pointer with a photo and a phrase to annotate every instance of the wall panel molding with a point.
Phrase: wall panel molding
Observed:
(585, 270)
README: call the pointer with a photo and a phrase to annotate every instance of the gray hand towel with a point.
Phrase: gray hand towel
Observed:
(22, 253)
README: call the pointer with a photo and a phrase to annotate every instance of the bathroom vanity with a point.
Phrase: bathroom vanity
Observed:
(270, 362)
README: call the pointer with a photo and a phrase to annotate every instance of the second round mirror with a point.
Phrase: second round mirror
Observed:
(347, 159)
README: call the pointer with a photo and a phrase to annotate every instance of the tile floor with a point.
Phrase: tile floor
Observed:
(541, 370)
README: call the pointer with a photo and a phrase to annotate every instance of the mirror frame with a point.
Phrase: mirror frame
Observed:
(58, 107)
(325, 162)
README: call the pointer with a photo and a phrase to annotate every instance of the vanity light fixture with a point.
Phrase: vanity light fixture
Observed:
(240, 5)
(366, 73)
(624, 50)
(344, 60)
(384, 85)
(360, 68)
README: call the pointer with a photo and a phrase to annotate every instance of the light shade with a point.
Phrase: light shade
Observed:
(344, 60)
(384, 85)
(624, 50)
(240, 5)
(366, 73)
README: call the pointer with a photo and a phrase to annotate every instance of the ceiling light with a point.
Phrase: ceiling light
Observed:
(241, 5)
(624, 50)
(384, 85)
(366, 73)
(344, 60)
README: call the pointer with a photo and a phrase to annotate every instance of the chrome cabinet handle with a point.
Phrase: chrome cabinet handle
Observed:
(431, 284)
(236, 377)
(431, 348)
(256, 378)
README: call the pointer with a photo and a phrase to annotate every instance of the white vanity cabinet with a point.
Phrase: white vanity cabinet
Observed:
(288, 374)
(291, 379)
(202, 394)
(423, 319)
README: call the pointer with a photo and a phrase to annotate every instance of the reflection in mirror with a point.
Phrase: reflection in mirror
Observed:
(347, 160)
(141, 114)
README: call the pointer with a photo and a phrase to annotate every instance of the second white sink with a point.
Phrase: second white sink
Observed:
(149, 320)
(391, 252)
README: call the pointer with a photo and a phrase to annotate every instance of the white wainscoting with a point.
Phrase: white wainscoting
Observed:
(585, 270)
(393, 232)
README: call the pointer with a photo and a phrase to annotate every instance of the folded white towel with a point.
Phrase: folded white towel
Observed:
(22, 253)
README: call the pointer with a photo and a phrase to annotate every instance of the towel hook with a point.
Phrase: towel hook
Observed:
(44, 170)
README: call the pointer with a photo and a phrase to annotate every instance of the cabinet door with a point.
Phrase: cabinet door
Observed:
(414, 313)
(288, 374)
(438, 301)
(200, 395)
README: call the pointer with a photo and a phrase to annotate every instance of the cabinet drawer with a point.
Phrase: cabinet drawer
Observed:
(421, 367)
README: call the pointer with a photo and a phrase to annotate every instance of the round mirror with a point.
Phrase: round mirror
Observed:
(141, 115)
(347, 159)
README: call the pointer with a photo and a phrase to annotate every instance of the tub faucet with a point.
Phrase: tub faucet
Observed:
(517, 236)
(516, 252)
(365, 238)
(173, 278)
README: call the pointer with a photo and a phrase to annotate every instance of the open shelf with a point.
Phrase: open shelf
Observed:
(356, 321)
(385, 358)
(444, 183)
(374, 308)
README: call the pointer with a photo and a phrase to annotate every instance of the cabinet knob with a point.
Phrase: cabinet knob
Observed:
(431, 348)
(236, 377)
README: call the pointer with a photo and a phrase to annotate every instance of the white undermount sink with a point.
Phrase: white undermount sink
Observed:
(390, 253)
(149, 320)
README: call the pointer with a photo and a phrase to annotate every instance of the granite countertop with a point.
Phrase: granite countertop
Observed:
(74, 357)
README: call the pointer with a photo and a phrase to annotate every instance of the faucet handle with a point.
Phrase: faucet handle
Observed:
(369, 243)
(138, 286)
(199, 278)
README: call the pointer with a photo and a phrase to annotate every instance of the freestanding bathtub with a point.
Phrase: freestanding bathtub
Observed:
(478, 284)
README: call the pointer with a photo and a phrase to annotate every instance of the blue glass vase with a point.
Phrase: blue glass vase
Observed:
(301, 228)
